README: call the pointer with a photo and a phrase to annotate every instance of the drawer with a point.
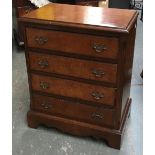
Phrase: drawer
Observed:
(88, 45)
(73, 67)
(73, 110)
(74, 89)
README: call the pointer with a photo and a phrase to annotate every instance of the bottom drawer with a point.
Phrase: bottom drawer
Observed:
(73, 110)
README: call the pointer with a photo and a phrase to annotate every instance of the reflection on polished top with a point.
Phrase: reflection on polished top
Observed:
(83, 15)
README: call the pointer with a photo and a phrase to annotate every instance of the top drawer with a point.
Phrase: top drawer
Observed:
(89, 45)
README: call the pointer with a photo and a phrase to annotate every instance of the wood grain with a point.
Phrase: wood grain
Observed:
(73, 89)
(89, 70)
(73, 110)
(115, 20)
(73, 43)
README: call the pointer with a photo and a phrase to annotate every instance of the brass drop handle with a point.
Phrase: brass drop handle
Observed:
(98, 73)
(43, 63)
(41, 40)
(46, 106)
(44, 85)
(99, 47)
(97, 95)
(97, 116)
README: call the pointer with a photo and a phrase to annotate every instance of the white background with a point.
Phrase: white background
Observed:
(6, 77)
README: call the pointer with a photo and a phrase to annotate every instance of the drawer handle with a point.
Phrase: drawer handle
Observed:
(46, 106)
(97, 116)
(98, 73)
(44, 85)
(43, 63)
(97, 95)
(99, 47)
(41, 40)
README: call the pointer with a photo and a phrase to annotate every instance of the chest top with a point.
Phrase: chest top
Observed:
(118, 20)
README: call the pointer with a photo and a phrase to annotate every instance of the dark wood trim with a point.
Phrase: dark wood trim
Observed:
(88, 81)
(72, 30)
(81, 101)
(74, 55)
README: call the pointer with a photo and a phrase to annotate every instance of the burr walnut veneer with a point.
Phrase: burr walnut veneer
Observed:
(79, 63)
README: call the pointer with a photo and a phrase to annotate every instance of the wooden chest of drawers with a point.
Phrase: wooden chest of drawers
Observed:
(79, 69)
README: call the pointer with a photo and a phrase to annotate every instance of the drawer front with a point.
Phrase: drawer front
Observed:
(73, 110)
(73, 43)
(69, 88)
(73, 67)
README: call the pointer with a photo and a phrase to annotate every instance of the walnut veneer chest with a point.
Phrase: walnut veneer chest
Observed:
(79, 63)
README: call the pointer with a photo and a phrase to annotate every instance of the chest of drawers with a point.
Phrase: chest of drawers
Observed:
(79, 69)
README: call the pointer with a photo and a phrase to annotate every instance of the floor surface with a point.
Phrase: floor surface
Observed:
(45, 141)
